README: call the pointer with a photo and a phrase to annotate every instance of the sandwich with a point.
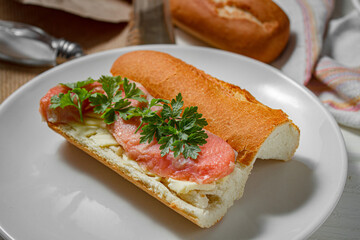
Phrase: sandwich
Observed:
(167, 143)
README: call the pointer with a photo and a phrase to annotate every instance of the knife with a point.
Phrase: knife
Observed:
(26, 44)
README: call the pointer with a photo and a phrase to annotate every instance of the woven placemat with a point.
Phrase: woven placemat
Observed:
(93, 36)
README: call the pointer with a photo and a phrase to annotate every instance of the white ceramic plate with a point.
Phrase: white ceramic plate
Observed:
(51, 190)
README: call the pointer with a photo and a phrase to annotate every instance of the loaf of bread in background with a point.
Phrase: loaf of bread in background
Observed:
(251, 128)
(255, 28)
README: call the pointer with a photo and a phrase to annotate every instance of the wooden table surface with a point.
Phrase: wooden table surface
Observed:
(94, 36)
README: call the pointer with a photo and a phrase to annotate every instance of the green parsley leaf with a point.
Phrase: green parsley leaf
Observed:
(115, 102)
(74, 97)
(147, 115)
(110, 85)
(100, 101)
(60, 101)
(79, 84)
(178, 147)
(148, 133)
(166, 145)
(109, 116)
(133, 92)
(191, 151)
(177, 130)
(176, 105)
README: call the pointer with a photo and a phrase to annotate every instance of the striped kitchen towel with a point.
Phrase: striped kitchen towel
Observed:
(308, 22)
(339, 70)
(342, 97)
(324, 55)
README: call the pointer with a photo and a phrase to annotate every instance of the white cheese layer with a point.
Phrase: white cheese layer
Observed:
(198, 195)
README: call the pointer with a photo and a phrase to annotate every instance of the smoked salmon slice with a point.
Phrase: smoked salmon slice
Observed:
(215, 160)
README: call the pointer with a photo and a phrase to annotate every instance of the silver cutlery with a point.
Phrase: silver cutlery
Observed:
(26, 44)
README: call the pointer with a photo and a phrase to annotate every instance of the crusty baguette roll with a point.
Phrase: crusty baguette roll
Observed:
(255, 28)
(203, 204)
(251, 128)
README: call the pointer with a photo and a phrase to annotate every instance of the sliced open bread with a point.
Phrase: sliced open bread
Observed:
(232, 113)
(203, 204)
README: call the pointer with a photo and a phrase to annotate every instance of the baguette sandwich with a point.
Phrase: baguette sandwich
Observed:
(111, 119)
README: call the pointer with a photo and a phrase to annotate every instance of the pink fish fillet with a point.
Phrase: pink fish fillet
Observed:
(215, 161)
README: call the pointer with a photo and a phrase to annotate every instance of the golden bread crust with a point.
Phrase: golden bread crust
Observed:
(255, 28)
(232, 113)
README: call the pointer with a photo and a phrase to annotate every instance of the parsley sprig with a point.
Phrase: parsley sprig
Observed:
(74, 97)
(176, 129)
(113, 102)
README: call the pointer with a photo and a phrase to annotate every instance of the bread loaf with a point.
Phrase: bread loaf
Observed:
(255, 28)
(251, 128)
